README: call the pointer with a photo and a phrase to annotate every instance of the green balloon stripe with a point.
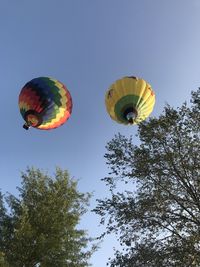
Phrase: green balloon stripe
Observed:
(55, 91)
(123, 104)
(52, 115)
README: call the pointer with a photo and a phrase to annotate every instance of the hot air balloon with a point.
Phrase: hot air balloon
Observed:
(129, 100)
(45, 103)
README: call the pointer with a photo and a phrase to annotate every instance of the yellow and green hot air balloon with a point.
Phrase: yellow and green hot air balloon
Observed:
(130, 100)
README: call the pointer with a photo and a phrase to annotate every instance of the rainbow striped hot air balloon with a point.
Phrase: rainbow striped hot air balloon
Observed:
(45, 103)
(129, 100)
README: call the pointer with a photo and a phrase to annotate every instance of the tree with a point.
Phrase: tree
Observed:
(3, 263)
(157, 216)
(40, 229)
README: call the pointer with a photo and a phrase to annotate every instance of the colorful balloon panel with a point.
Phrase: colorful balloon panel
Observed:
(45, 103)
(130, 100)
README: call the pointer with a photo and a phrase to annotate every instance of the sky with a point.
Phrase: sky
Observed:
(87, 45)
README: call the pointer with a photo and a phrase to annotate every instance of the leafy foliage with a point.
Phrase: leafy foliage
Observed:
(157, 220)
(41, 227)
(3, 262)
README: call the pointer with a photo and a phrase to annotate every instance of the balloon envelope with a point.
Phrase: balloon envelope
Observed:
(129, 100)
(45, 103)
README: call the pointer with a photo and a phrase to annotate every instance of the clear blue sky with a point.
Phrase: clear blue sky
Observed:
(88, 44)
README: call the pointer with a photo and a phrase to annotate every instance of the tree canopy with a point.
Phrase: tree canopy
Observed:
(157, 216)
(39, 227)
